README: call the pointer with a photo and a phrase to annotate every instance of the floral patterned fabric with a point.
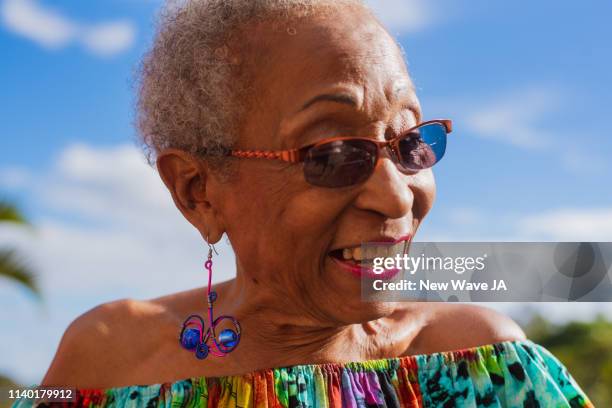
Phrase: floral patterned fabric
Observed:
(509, 374)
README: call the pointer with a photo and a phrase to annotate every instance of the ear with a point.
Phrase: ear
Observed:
(188, 179)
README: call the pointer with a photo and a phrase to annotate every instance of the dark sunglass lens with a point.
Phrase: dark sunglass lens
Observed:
(423, 147)
(340, 163)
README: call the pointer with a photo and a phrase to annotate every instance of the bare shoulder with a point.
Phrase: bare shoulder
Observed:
(452, 326)
(108, 341)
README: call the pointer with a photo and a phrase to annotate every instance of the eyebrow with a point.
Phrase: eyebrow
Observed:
(349, 100)
(338, 98)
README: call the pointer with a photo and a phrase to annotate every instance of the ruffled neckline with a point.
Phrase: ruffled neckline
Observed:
(434, 360)
(503, 374)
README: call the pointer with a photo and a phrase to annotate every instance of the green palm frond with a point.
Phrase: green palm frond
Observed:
(10, 213)
(7, 381)
(13, 268)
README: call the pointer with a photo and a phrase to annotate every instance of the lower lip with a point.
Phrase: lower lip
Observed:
(364, 271)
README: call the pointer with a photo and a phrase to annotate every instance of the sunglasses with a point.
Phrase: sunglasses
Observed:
(348, 161)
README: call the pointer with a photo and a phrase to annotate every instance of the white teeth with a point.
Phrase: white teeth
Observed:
(357, 254)
(347, 253)
(369, 252)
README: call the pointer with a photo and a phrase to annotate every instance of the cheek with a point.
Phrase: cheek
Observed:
(252, 212)
(275, 221)
(312, 208)
(278, 198)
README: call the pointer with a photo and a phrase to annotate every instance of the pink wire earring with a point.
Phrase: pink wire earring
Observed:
(195, 336)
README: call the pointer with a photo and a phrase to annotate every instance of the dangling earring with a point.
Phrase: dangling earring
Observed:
(193, 335)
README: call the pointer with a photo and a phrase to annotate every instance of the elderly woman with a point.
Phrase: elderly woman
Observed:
(293, 127)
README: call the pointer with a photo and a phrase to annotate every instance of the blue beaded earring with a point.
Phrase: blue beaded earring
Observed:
(193, 335)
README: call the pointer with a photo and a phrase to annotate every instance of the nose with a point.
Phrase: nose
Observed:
(387, 191)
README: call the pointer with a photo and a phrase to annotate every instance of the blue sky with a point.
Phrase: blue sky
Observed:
(526, 83)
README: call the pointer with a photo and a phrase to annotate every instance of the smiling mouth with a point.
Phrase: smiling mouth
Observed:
(359, 260)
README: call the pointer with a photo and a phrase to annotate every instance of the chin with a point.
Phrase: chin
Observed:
(340, 298)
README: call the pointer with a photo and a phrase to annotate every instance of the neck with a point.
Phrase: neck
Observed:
(275, 332)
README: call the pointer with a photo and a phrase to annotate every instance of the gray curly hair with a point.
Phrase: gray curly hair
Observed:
(193, 84)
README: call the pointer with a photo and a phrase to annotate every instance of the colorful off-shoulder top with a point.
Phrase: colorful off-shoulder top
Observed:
(508, 374)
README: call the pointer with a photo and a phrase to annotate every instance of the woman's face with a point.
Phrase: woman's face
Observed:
(284, 229)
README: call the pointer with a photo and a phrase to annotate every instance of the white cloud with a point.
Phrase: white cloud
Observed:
(576, 158)
(401, 16)
(525, 117)
(513, 117)
(554, 225)
(51, 29)
(570, 225)
(44, 26)
(92, 181)
(109, 38)
(464, 216)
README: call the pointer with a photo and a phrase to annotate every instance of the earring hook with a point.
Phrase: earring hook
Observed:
(211, 248)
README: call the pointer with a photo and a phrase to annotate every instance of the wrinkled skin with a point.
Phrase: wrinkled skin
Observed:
(294, 303)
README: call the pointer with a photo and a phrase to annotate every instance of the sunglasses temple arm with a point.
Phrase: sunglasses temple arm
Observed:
(289, 156)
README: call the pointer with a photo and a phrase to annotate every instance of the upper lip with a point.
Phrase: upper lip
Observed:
(379, 239)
